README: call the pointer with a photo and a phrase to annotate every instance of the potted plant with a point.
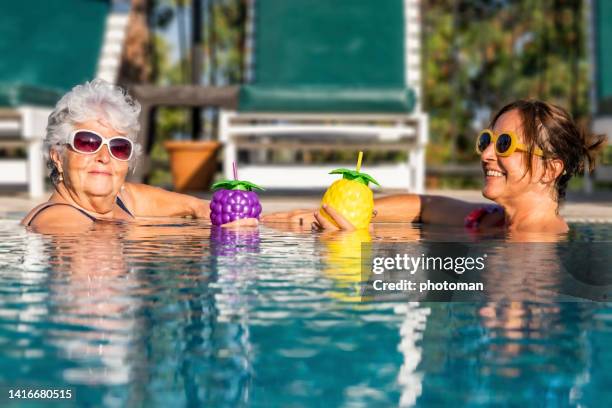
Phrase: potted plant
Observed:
(193, 163)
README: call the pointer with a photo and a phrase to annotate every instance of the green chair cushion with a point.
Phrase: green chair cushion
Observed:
(255, 98)
(48, 46)
(352, 43)
(328, 56)
(603, 55)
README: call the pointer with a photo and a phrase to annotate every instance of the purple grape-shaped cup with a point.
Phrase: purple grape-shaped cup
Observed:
(234, 200)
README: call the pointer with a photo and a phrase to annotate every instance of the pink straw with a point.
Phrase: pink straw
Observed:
(235, 171)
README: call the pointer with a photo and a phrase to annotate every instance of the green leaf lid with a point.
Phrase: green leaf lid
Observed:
(236, 184)
(356, 175)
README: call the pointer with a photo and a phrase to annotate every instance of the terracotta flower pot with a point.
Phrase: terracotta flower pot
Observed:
(193, 163)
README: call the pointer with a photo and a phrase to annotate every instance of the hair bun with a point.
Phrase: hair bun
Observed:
(592, 144)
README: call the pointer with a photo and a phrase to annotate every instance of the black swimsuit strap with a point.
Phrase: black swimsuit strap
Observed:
(91, 217)
(123, 207)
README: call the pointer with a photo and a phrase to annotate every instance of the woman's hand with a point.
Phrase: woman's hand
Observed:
(323, 223)
(300, 217)
(200, 208)
(242, 223)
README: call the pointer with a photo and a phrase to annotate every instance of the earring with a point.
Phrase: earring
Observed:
(61, 177)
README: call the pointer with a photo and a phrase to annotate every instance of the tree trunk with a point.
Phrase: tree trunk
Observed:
(136, 60)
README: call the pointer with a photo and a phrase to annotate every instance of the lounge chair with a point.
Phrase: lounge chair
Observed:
(342, 74)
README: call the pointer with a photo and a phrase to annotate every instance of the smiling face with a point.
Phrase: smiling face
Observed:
(506, 178)
(94, 175)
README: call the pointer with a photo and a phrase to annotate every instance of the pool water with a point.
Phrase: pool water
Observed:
(171, 313)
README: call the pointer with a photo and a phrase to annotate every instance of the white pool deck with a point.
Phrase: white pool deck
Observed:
(595, 208)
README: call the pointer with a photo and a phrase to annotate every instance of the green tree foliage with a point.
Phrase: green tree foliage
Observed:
(170, 122)
(226, 41)
(482, 54)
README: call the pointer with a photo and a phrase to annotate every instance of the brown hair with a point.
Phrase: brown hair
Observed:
(552, 129)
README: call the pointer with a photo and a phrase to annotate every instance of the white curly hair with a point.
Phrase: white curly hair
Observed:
(95, 100)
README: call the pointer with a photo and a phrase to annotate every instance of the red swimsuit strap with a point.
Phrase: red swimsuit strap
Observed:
(473, 219)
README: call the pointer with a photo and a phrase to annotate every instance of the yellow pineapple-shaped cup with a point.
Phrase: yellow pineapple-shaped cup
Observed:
(351, 196)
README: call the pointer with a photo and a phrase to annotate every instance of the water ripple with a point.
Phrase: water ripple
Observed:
(172, 312)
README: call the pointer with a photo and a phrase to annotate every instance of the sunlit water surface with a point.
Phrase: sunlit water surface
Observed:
(170, 313)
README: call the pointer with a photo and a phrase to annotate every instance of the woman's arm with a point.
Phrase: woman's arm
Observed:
(395, 208)
(399, 208)
(427, 209)
(148, 201)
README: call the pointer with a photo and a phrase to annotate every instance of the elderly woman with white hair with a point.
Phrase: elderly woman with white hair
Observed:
(90, 143)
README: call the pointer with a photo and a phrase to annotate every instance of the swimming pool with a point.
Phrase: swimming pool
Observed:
(170, 313)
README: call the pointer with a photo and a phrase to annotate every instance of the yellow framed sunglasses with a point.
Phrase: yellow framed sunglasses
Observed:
(505, 143)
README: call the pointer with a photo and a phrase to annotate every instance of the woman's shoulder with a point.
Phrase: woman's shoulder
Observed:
(55, 214)
(32, 212)
(128, 194)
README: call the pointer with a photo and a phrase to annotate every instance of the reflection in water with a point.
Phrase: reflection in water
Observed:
(410, 379)
(343, 257)
(507, 354)
(89, 301)
(118, 313)
(170, 312)
(227, 242)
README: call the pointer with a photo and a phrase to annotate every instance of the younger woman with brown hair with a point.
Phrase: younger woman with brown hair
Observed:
(528, 154)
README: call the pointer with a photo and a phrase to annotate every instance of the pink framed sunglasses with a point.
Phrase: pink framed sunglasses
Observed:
(90, 142)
